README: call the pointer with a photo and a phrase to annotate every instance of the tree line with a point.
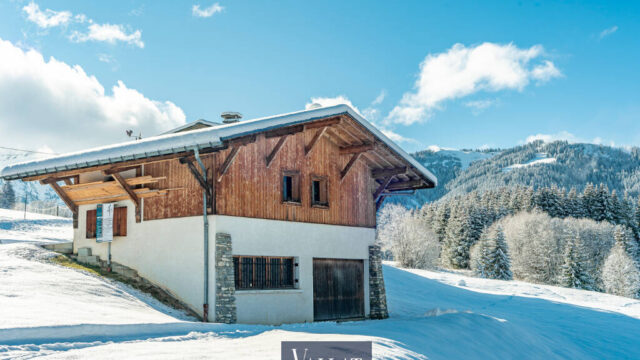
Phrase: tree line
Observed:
(586, 240)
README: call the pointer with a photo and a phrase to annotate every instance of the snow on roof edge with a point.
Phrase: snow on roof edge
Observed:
(185, 141)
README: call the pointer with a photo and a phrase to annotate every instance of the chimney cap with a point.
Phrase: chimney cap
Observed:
(230, 117)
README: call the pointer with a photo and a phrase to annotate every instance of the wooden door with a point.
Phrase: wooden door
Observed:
(338, 289)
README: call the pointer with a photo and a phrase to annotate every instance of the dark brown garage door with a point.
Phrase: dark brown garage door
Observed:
(338, 289)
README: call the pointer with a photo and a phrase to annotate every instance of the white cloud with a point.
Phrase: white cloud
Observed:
(462, 71)
(477, 106)
(545, 72)
(105, 58)
(47, 18)
(565, 136)
(562, 135)
(606, 32)
(109, 33)
(380, 98)
(330, 101)
(206, 12)
(69, 109)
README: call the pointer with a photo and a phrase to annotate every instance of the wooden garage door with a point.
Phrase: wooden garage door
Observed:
(338, 289)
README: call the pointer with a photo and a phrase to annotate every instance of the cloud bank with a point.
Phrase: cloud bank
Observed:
(53, 104)
(462, 71)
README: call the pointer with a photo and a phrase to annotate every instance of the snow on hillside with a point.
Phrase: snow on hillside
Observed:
(464, 158)
(35, 228)
(48, 310)
(539, 159)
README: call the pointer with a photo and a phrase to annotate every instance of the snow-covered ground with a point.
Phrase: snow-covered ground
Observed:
(56, 312)
(539, 159)
(14, 227)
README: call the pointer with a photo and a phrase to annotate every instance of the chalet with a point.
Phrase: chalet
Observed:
(269, 220)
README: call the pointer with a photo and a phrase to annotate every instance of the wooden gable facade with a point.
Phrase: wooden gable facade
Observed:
(250, 188)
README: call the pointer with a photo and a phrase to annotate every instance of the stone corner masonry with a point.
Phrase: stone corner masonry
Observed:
(377, 294)
(225, 307)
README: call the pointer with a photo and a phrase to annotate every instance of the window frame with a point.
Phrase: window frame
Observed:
(295, 183)
(267, 273)
(323, 180)
(120, 219)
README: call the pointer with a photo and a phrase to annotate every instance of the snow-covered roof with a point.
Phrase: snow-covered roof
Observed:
(200, 122)
(186, 141)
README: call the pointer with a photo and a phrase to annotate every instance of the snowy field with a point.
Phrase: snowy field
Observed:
(56, 312)
(36, 228)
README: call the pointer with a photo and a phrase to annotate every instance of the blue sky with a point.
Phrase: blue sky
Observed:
(461, 74)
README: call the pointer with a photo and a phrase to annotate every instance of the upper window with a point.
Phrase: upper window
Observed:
(319, 196)
(262, 272)
(291, 186)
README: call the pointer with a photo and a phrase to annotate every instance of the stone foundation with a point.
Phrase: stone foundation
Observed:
(225, 308)
(377, 294)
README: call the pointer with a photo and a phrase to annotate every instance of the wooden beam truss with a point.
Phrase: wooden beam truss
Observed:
(132, 195)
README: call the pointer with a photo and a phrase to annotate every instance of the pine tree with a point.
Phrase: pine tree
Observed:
(589, 199)
(441, 219)
(573, 205)
(624, 240)
(455, 251)
(500, 265)
(573, 274)
(7, 196)
(482, 262)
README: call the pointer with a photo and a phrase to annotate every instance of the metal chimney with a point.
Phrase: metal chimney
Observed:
(230, 117)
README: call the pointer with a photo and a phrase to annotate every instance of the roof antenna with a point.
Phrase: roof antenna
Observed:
(135, 137)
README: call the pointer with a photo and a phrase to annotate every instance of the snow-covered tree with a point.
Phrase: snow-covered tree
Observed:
(7, 196)
(623, 238)
(479, 256)
(620, 273)
(500, 265)
(409, 237)
(574, 274)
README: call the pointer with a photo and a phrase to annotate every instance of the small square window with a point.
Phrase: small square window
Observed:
(319, 196)
(291, 186)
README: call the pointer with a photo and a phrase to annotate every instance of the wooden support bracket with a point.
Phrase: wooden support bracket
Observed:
(383, 173)
(227, 162)
(356, 149)
(276, 149)
(131, 193)
(321, 131)
(203, 184)
(406, 185)
(382, 187)
(349, 165)
(63, 195)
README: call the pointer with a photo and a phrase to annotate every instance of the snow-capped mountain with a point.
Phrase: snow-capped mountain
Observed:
(535, 164)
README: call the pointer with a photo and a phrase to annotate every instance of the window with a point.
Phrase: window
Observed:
(262, 272)
(291, 187)
(119, 222)
(319, 196)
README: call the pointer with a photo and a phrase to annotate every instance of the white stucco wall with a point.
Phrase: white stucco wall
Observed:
(169, 253)
(304, 241)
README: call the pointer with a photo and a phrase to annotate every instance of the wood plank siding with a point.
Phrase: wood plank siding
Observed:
(251, 189)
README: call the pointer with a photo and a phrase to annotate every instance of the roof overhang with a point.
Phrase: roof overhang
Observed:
(208, 138)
